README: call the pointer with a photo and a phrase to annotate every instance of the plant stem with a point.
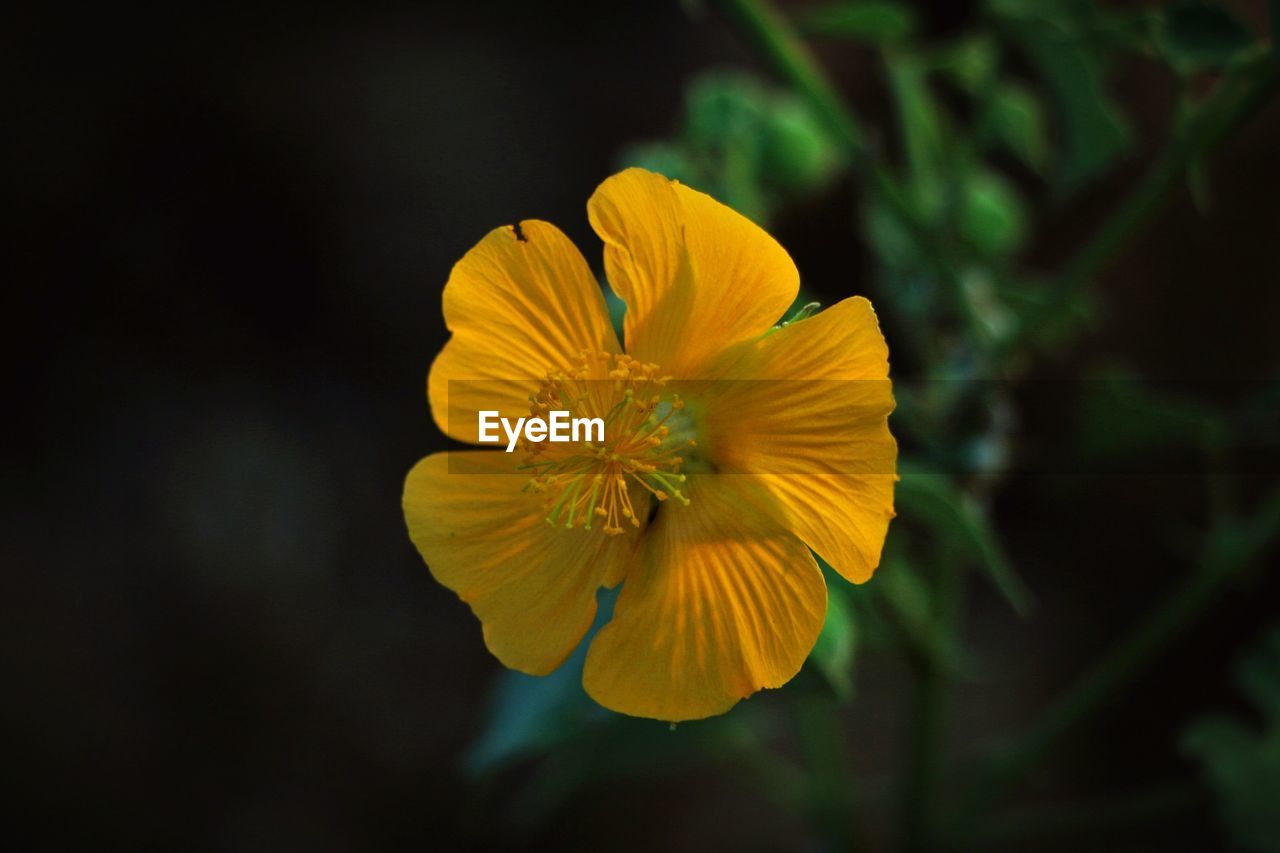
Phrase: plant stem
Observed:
(1092, 692)
(1230, 547)
(928, 722)
(829, 786)
(784, 49)
(1241, 93)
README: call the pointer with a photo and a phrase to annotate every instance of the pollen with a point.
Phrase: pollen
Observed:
(597, 484)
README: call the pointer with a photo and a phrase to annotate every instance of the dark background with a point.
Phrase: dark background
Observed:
(232, 233)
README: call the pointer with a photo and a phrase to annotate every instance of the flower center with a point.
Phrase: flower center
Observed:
(645, 431)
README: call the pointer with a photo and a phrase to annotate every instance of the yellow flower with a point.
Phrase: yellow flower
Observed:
(731, 450)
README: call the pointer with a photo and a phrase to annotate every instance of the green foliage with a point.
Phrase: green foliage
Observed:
(1014, 121)
(529, 715)
(963, 529)
(798, 155)
(969, 62)
(905, 592)
(991, 125)
(1241, 760)
(992, 216)
(617, 309)
(837, 645)
(874, 21)
(924, 132)
(1094, 133)
(753, 147)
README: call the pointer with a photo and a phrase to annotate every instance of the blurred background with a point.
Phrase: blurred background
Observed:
(233, 227)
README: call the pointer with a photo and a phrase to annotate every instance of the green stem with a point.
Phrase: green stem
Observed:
(927, 731)
(1238, 96)
(784, 49)
(1230, 547)
(830, 794)
(1093, 691)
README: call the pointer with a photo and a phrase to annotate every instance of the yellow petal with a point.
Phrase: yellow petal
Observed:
(532, 586)
(696, 276)
(720, 603)
(805, 412)
(518, 304)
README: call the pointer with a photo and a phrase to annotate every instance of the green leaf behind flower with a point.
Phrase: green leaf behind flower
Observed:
(1241, 760)
(875, 21)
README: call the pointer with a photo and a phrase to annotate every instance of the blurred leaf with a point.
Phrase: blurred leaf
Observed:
(1243, 769)
(934, 499)
(1094, 132)
(891, 238)
(528, 715)
(617, 309)
(664, 158)
(870, 618)
(1200, 35)
(923, 135)
(1258, 676)
(1234, 545)
(969, 62)
(992, 216)
(1015, 121)
(746, 144)
(1241, 762)
(875, 21)
(725, 114)
(836, 648)
(995, 320)
(909, 595)
(909, 598)
(722, 109)
(798, 152)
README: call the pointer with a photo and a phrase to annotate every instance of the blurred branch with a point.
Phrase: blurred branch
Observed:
(784, 49)
(927, 732)
(1230, 547)
(936, 498)
(829, 783)
(1241, 93)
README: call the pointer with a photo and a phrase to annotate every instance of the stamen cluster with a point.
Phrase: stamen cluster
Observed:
(592, 480)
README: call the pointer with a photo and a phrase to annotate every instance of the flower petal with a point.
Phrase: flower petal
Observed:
(808, 417)
(720, 603)
(531, 585)
(696, 276)
(519, 303)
